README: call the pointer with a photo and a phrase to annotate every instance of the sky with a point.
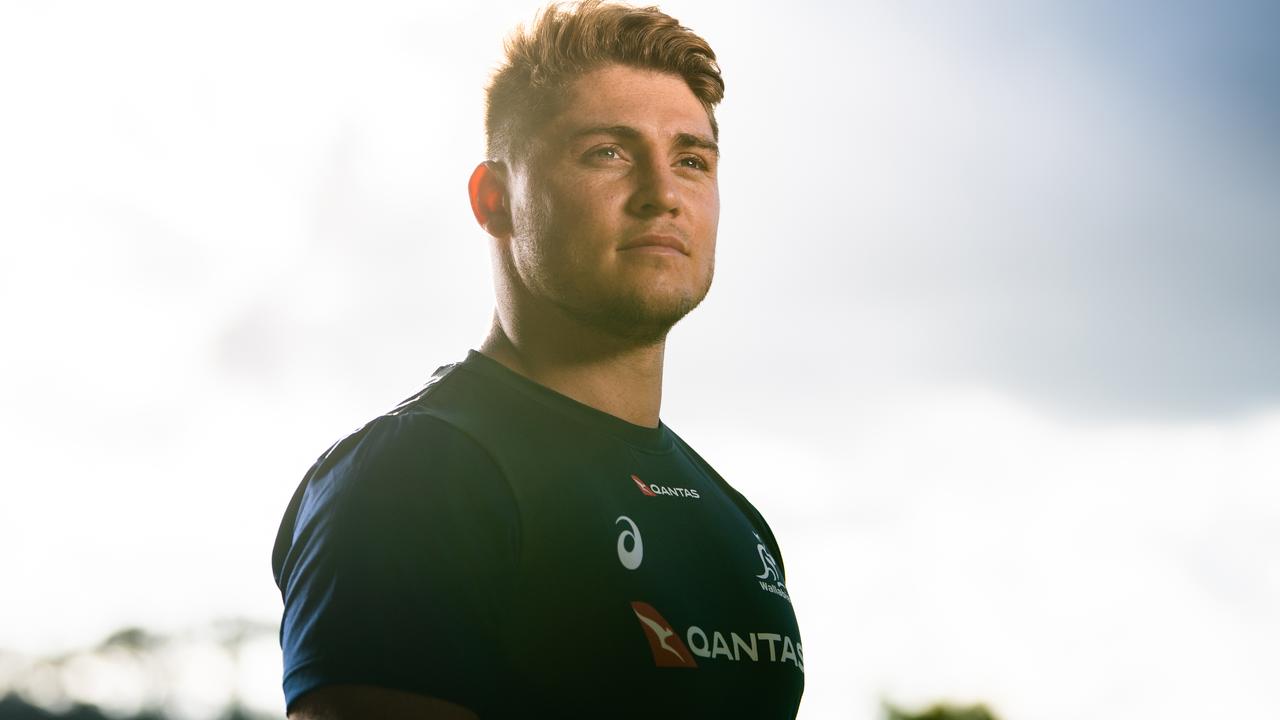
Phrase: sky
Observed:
(991, 343)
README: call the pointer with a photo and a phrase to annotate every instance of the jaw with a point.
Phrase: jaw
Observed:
(588, 322)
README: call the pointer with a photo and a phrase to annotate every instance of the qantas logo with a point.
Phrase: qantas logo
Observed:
(643, 488)
(656, 490)
(668, 649)
(781, 648)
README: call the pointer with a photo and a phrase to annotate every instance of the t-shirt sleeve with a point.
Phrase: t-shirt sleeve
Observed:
(401, 553)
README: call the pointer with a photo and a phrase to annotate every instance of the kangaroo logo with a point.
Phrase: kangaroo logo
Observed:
(769, 565)
(643, 488)
(668, 649)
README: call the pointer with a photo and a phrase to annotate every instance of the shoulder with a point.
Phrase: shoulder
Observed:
(396, 562)
(399, 468)
(392, 450)
(400, 447)
(743, 504)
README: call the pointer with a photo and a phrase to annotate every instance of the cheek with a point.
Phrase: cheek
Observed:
(714, 202)
(553, 245)
(709, 217)
(587, 223)
(533, 238)
(567, 204)
(596, 202)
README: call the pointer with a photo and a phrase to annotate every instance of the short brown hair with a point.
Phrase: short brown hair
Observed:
(568, 41)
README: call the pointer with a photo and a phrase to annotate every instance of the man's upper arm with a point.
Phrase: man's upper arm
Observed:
(401, 559)
(363, 702)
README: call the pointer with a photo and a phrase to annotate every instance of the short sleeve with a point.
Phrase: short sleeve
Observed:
(396, 565)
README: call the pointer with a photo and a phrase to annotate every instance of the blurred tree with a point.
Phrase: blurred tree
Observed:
(13, 707)
(43, 688)
(232, 634)
(940, 711)
(132, 639)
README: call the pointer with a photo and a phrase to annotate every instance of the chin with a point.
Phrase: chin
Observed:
(641, 318)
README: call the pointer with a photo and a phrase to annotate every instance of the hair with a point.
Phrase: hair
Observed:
(566, 42)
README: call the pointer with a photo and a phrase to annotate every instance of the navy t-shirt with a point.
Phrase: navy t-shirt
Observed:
(498, 545)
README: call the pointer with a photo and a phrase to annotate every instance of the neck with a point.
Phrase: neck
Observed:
(614, 376)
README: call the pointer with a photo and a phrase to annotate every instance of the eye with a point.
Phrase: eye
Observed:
(604, 152)
(693, 161)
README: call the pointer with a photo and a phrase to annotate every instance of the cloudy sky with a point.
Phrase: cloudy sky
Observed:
(992, 341)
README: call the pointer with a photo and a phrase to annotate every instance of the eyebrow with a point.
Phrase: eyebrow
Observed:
(683, 140)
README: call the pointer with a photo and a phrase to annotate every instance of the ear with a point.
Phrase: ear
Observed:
(489, 198)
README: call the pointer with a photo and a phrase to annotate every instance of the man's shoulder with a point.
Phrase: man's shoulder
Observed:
(410, 458)
(418, 449)
(738, 498)
(433, 393)
(461, 396)
(404, 446)
(435, 415)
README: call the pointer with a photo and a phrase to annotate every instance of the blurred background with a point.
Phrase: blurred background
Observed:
(993, 342)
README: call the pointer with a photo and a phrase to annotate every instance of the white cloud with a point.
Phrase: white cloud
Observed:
(227, 243)
(966, 546)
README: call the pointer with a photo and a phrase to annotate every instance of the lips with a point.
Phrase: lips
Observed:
(657, 241)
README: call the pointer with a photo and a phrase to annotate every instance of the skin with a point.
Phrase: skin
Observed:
(578, 309)
(586, 289)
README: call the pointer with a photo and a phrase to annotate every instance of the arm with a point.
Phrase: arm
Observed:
(359, 702)
(394, 576)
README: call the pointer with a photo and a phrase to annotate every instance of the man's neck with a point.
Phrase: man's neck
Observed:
(622, 379)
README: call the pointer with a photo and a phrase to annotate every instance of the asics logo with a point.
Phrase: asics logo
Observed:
(632, 558)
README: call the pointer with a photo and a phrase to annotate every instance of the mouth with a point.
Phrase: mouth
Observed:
(656, 243)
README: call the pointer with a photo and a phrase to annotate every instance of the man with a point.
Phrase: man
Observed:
(524, 537)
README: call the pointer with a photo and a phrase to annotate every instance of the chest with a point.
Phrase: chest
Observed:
(641, 568)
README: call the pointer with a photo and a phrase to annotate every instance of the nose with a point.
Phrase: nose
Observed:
(656, 192)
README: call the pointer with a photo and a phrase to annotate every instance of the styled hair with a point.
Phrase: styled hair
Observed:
(567, 41)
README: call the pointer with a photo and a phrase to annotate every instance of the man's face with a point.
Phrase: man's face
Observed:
(615, 206)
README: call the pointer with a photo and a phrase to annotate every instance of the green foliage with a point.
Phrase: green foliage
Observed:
(940, 711)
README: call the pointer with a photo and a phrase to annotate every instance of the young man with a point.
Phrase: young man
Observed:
(524, 537)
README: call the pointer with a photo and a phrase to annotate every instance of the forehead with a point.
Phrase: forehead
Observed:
(657, 104)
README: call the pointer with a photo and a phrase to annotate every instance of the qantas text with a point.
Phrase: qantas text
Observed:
(780, 647)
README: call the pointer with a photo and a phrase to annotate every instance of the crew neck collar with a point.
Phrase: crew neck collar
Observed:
(656, 439)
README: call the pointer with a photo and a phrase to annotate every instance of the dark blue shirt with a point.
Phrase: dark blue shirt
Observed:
(498, 545)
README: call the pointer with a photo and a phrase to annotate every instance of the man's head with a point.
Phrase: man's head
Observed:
(566, 42)
(601, 193)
